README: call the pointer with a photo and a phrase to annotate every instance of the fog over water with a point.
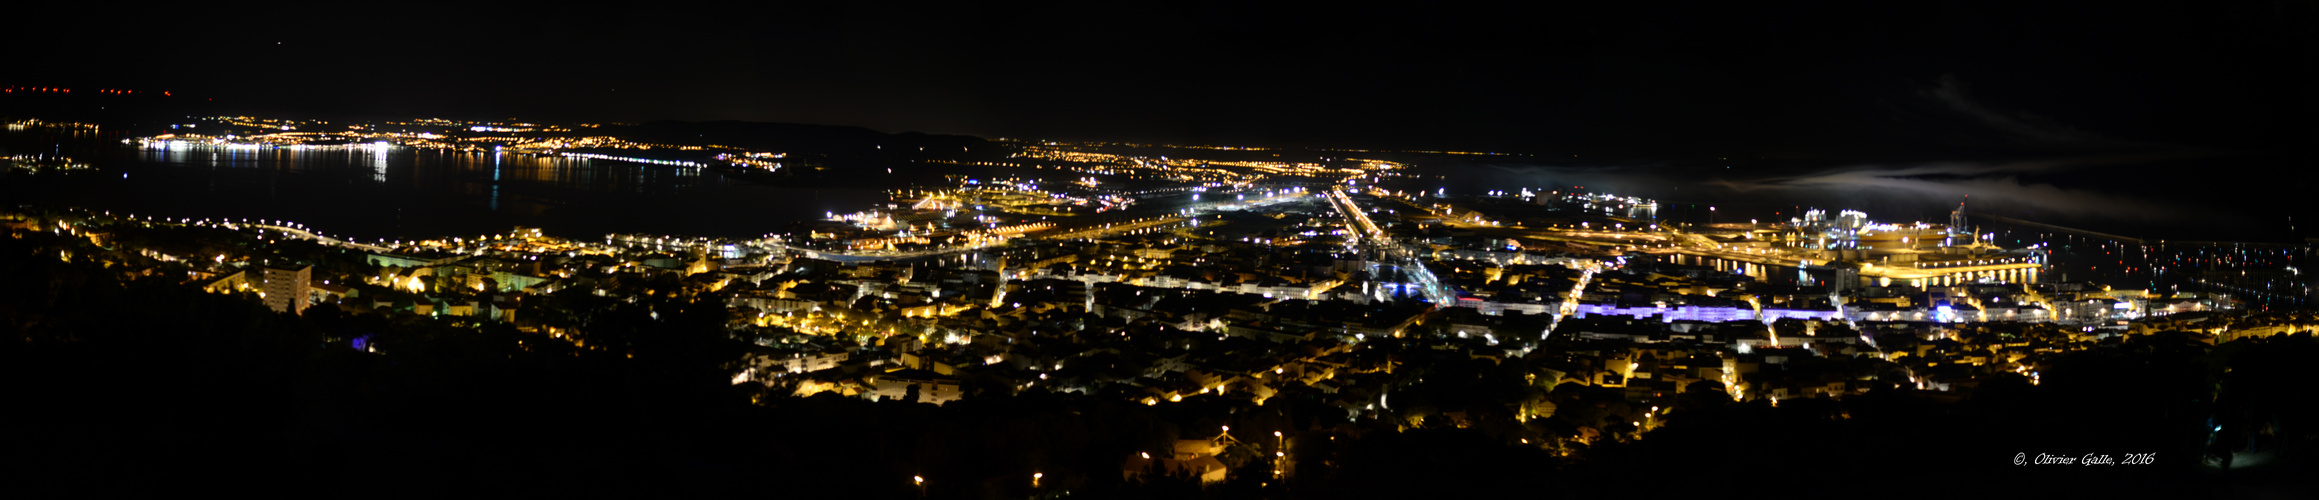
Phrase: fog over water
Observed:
(2164, 196)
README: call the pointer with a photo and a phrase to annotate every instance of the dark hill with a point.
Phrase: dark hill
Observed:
(793, 137)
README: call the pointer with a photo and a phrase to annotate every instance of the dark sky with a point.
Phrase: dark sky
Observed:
(1838, 80)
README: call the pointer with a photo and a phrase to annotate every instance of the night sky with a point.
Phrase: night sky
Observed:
(1854, 80)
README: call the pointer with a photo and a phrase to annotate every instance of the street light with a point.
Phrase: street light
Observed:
(921, 482)
(1035, 479)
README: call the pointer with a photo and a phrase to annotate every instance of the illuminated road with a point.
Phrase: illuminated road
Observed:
(846, 257)
(1570, 304)
(301, 233)
(1432, 287)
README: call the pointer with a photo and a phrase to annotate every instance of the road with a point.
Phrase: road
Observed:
(301, 233)
(1374, 239)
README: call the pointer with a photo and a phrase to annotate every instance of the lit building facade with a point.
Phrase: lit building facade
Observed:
(285, 289)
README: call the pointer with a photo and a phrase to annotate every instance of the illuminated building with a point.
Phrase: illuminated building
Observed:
(285, 289)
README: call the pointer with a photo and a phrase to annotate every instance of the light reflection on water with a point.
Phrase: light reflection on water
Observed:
(366, 191)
